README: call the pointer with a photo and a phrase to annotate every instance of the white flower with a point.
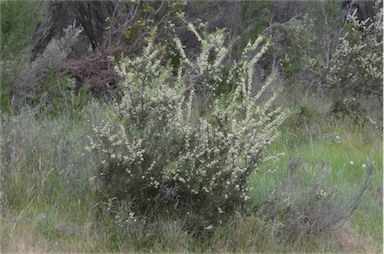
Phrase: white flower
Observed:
(209, 227)
(364, 166)
(351, 162)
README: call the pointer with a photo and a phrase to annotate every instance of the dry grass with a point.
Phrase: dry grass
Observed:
(350, 241)
(19, 235)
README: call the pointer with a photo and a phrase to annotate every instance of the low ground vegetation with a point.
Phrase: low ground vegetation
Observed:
(49, 195)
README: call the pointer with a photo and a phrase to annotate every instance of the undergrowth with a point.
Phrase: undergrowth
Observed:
(48, 199)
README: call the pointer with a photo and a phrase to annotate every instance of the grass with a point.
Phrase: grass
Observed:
(325, 154)
(49, 200)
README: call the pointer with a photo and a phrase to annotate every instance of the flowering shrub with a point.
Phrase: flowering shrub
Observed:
(160, 153)
(361, 49)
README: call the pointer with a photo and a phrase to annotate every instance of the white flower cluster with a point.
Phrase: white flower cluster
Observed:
(159, 141)
(361, 50)
(203, 72)
(321, 193)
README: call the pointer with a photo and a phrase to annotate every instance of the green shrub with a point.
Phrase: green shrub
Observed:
(255, 16)
(32, 81)
(59, 95)
(17, 19)
(161, 155)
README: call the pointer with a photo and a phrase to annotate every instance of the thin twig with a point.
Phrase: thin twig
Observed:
(18, 218)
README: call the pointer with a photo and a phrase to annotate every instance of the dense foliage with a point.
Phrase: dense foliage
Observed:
(161, 152)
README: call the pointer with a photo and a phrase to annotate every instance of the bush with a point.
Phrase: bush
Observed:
(160, 153)
(297, 208)
(58, 96)
(17, 20)
(27, 83)
(362, 49)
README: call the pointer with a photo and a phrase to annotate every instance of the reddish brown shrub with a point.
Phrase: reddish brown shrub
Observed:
(94, 70)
